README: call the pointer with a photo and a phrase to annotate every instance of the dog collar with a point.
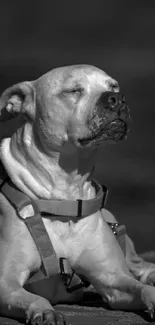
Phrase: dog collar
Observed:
(61, 208)
(78, 208)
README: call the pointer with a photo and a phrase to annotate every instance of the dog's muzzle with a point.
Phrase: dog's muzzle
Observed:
(109, 119)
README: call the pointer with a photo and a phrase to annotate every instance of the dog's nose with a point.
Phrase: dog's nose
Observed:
(113, 101)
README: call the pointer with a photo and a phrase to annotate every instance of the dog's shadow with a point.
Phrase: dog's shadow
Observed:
(92, 299)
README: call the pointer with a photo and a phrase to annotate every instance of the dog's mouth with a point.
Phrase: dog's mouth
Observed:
(114, 130)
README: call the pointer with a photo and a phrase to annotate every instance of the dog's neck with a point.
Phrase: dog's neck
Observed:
(63, 175)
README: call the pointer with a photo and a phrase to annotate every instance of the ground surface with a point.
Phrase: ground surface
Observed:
(94, 314)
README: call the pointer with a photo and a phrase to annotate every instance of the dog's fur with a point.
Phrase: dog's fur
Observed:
(44, 154)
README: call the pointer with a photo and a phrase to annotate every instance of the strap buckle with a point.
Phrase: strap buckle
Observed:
(65, 271)
(69, 277)
(82, 284)
(113, 226)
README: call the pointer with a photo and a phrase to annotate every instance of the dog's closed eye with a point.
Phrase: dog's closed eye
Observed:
(73, 94)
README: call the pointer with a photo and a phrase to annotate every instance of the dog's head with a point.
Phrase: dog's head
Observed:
(78, 104)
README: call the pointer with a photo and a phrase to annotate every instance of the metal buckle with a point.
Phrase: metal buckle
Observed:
(68, 275)
(113, 226)
(82, 284)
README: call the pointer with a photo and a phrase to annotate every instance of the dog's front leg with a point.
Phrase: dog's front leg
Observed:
(108, 272)
(16, 302)
(142, 270)
(129, 294)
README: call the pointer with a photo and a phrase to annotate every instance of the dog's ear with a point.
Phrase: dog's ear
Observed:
(19, 98)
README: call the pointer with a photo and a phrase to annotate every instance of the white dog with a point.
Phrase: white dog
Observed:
(51, 209)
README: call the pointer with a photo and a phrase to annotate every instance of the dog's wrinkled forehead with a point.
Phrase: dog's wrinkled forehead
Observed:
(86, 76)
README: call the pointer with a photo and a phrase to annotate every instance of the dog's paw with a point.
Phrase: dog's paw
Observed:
(151, 279)
(48, 317)
(148, 298)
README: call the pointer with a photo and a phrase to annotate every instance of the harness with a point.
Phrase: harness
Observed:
(63, 209)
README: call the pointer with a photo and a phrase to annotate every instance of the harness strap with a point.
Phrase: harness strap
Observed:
(119, 231)
(34, 223)
(15, 196)
(19, 200)
(50, 265)
(65, 208)
(69, 208)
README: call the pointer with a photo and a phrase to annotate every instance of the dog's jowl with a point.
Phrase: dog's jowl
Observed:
(56, 237)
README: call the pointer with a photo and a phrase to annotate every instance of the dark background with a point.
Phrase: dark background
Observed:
(118, 37)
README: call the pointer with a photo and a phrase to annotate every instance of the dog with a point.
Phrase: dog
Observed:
(51, 129)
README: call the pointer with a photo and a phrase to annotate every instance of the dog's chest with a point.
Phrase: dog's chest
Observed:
(71, 239)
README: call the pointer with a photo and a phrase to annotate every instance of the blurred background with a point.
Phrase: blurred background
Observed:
(118, 37)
